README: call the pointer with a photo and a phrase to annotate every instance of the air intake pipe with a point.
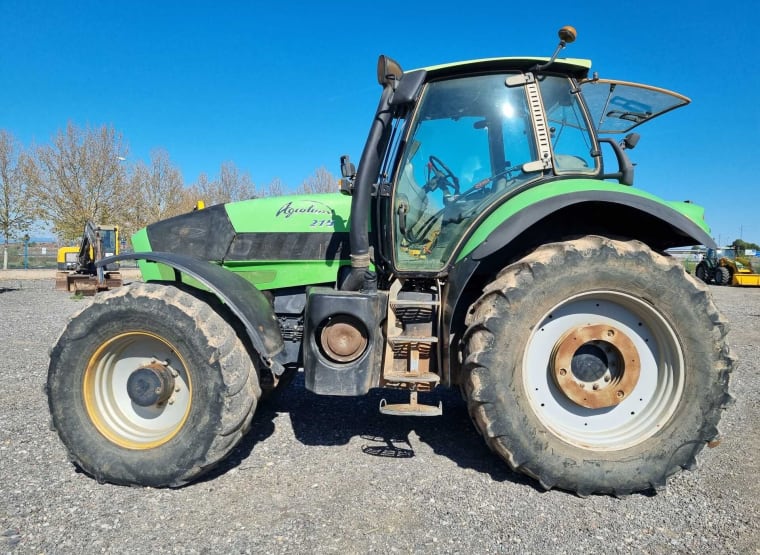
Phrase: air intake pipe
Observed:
(360, 278)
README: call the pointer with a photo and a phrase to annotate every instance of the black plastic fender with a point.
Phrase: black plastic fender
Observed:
(244, 300)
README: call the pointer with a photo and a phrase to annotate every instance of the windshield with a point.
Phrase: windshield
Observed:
(108, 241)
(466, 147)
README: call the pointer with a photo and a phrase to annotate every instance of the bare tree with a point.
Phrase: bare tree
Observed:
(230, 186)
(321, 182)
(15, 207)
(275, 188)
(79, 177)
(158, 191)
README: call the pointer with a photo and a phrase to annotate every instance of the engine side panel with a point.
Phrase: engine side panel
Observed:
(272, 242)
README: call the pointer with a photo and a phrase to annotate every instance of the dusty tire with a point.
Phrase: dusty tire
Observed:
(722, 275)
(662, 322)
(118, 430)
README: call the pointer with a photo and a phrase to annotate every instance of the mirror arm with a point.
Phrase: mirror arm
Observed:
(625, 173)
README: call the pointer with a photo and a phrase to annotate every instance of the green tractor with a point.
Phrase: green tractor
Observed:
(483, 243)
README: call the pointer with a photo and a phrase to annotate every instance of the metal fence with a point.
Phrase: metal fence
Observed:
(32, 256)
(39, 256)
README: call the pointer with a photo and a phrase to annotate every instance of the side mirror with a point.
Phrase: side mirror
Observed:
(348, 173)
(630, 141)
(389, 71)
(347, 168)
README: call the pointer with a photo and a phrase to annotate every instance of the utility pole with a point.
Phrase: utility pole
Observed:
(26, 251)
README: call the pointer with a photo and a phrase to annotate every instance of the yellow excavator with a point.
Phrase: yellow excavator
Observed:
(77, 272)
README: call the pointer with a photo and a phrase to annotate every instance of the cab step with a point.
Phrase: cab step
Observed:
(425, 378)
(412, 408)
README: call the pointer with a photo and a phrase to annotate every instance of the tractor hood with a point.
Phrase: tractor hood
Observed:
(259, 237)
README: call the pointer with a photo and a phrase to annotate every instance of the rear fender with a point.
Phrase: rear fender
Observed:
(676, 228)
(245, 301)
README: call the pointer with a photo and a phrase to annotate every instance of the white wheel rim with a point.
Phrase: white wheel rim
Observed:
(656, 394)
(109, 406)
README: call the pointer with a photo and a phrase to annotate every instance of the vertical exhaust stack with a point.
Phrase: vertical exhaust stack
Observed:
(389, 74)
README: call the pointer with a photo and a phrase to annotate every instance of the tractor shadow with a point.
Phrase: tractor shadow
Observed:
(331, 421)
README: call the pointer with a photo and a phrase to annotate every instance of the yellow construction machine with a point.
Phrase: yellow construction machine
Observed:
(77, 272)
(741, 271)
(724, 267)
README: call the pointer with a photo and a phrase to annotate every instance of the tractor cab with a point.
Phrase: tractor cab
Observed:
(475, 139)
(472, 141)
(453, 143)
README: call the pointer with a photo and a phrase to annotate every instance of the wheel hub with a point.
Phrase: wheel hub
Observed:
(595, 366)
(149, 385)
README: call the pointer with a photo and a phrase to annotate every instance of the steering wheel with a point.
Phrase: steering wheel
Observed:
(440, 177)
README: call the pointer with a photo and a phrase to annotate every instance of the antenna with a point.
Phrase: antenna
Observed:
(566, 35)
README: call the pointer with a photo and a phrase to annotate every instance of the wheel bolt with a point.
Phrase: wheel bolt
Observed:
(562, 371)
(620, 394)
(596, 386)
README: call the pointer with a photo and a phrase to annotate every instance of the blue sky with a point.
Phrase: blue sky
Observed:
(281, 90)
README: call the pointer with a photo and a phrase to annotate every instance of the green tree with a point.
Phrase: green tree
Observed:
(79, 177)
(15, 208)
(742, 246)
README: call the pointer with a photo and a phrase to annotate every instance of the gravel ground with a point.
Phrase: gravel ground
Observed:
(322, 475)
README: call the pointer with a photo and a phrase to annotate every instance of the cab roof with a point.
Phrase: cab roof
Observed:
(575, 67)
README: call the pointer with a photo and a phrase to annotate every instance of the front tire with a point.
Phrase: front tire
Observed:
(150, 386)
(722, 275)
(596, 366)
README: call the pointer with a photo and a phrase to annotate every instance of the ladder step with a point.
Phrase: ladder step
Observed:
(411, 377)
(410, 409)
(412, 339)
(411, 302)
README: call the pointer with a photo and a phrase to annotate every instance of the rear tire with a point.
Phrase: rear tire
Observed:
(110, 417)
(651, 376)
(702, 273)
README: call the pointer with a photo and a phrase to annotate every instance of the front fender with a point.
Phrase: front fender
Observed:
(245, 301)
